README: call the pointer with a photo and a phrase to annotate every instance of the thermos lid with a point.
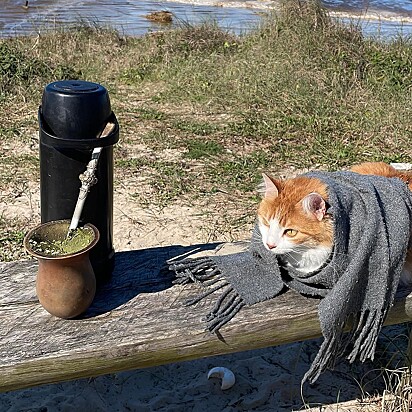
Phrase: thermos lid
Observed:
(75, 86)
(75, 109)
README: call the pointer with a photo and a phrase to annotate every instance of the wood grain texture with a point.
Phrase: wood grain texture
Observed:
(137, 320)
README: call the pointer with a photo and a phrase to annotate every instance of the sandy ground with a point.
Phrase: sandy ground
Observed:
(266, 379)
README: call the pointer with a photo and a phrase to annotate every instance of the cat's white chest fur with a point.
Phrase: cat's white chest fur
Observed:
(309, 260)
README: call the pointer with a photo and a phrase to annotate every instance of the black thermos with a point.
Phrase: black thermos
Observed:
(72, 116)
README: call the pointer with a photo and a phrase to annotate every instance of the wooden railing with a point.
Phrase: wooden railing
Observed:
(137, 320)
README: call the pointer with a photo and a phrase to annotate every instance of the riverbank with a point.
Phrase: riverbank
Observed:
(202, 113)
(129, 18)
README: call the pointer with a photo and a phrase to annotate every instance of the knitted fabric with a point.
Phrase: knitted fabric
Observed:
(372, 219)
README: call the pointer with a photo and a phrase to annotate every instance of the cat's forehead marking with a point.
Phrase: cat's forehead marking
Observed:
(275, 231)
(274, 224)
(280, 215)
(276, 212)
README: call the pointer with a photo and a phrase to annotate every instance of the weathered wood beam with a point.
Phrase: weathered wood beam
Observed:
(137, 320)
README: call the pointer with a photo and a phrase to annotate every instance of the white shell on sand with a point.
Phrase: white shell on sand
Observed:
(227, 376)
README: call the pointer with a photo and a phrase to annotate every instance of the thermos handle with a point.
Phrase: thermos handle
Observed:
(54, 141)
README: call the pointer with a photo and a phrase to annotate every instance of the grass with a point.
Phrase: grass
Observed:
(204, 112)
(198, 149)
(11, 238)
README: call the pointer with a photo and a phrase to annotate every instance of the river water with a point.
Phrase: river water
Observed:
(125, 16)
(380, 16)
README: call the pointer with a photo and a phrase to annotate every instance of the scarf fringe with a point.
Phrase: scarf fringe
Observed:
(203, 295)
(365, 342)
(364, 334)
(204, 271)
(226, 307)
(193, 270)
(324, 359)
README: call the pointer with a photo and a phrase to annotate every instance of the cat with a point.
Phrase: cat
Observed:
(295, 224)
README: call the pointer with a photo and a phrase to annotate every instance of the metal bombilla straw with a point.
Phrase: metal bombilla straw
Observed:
(88, 179)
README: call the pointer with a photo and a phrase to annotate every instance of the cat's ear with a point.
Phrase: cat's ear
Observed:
(315, 205)
(269, 187)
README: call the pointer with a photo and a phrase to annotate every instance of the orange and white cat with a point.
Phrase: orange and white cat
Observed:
(296, 226)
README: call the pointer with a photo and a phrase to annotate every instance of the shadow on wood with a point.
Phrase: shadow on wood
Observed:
(138, 271)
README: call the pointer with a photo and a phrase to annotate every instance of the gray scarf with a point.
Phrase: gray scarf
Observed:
(372, 218)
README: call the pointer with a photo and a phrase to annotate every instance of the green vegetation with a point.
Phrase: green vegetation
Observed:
(302, 90)
(204, 112)
(20, 70)
(333, 85)
(11, 238)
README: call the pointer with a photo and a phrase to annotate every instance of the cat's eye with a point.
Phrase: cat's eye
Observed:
(290, 232)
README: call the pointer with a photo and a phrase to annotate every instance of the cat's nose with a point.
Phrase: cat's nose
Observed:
(271, 245)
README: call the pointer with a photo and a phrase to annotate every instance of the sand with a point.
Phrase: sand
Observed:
(266, 380)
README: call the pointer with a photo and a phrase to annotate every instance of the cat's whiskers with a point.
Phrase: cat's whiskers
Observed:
(290, 256)
(306, 259)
